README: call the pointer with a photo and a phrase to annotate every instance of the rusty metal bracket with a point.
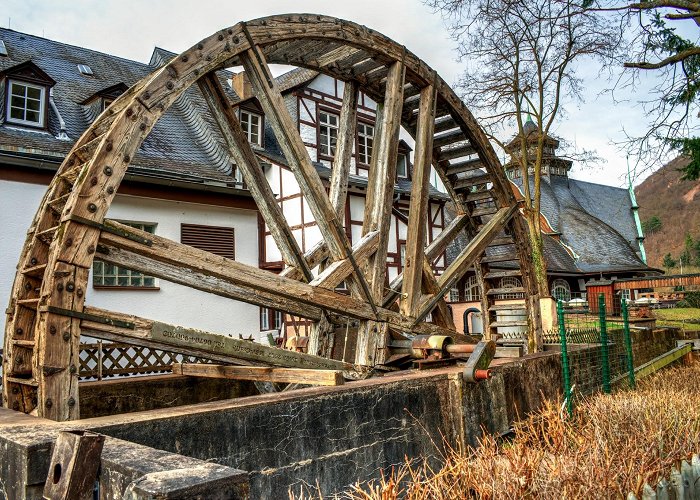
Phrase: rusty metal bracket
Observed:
(88, 317)
(110, 229)
(479, 361)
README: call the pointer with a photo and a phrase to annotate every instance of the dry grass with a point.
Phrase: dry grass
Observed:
(612, 446)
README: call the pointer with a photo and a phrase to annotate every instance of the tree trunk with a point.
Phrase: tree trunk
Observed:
(538, 263)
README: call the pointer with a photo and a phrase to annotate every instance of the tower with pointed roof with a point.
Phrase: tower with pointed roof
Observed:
(551, 163)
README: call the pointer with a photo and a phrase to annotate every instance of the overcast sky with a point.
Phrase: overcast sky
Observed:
(131, 29)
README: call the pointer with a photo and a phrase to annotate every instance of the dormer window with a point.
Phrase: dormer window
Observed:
(251, 123)
(26, 103)
(106, 103)
(27, 90)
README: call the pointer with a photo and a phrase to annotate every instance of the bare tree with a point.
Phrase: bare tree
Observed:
(522, 57)
(674, 59)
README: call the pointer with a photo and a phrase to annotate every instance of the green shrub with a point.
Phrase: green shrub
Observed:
(692, 299)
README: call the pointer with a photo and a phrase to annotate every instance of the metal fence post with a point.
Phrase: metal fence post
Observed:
(628, 342)
(564, 357)
(604, 343)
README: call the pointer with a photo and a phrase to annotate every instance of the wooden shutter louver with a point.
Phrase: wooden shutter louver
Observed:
(215, 239)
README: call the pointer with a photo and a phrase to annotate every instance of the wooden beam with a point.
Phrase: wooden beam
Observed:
(442, 315)
(285, 129)
(335, 273)
(378, 203)
(420, 204)
(432, 252)
(466, 259)
(313, 256)
(261, 373)
(180, 263)
(246, 160)
(343, 150)
(191, 341)
(200, 279)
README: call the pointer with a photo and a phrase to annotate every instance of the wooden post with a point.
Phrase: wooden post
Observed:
(245, 159)
(322, 335)
(371, 337)
(74, 464)
(418, 212)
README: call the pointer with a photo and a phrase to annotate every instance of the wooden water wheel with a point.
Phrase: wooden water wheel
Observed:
(47, 313)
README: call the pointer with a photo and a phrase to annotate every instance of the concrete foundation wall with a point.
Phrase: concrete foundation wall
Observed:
(122, 395)
(332, 437)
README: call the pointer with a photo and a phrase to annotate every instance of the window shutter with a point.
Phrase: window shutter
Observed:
(215, 239)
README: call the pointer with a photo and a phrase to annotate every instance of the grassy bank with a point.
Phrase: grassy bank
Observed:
(612, 446)
(687, 318)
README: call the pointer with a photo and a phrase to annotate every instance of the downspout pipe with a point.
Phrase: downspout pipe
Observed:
(62, 135)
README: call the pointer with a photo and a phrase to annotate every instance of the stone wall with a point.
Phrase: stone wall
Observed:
(127, 395)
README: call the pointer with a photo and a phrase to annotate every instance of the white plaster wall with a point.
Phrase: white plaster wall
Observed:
(325, 84)
(178, 304)
(172, 303)
(18, 204)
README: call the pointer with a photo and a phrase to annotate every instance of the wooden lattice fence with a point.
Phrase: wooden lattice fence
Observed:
(101, 360)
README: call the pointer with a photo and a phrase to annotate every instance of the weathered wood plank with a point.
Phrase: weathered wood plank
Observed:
(339, 270)
(420, 204)
(57, 343)
(206, 344)
(378, 204)
(261, 373)
(466, 259)
(248, 163)
(184, 264)
(199, 279)
(438, 245)
(343, 150)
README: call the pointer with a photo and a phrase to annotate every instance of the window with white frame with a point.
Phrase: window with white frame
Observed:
(561, 290)
(106, 275)
(365, 139)
(401, 166)
(454, 294)
(251, 123)
(26, 103)
(472, 292)
(271, 319)
(327, 133)
(511, 282)
(264, 319)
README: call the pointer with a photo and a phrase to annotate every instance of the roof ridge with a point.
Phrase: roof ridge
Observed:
(145, 65)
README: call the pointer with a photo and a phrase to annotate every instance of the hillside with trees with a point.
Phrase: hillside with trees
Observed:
(669, 208)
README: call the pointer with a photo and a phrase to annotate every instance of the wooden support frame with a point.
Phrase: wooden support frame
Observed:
(419, 208)
(466, 259)
(261, 373)
(248, 163)
(371, 337)
(307, 177)
(64, 237)
(178, 262)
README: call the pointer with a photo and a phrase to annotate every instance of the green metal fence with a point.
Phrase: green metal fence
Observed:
(596, 346)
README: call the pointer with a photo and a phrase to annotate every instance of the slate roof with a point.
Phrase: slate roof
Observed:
(594, 221)
(184, 145)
